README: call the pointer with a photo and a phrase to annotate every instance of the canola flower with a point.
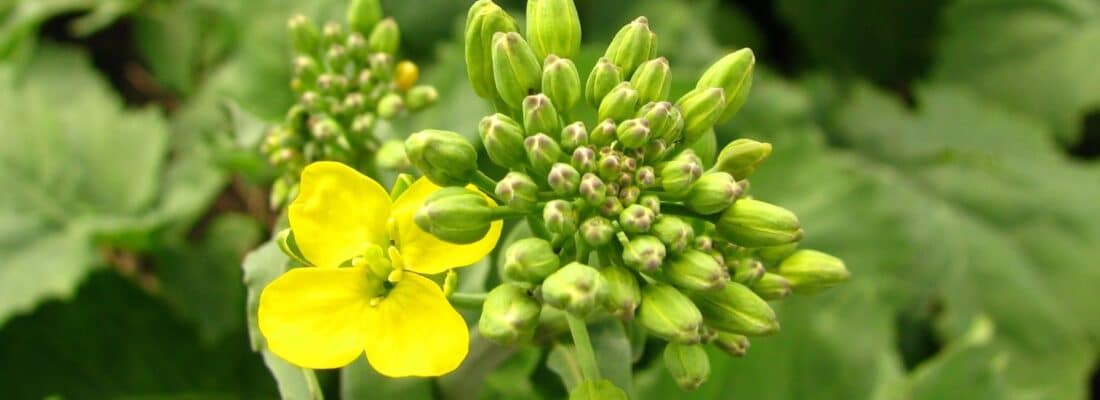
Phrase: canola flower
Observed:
(366, 289)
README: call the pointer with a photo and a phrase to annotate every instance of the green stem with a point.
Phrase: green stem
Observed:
(508, 212)
(537, 227)
(485, 183)
(585, 355)
(312, 385)
(467, 300)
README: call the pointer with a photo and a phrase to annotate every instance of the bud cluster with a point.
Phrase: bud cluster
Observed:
(347, 81)
(627, 220)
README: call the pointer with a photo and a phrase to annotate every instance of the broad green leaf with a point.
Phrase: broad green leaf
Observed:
(20, 20)
(359, 381)
(968, 368)
(512, 379)
(613, 353)
(563, 361)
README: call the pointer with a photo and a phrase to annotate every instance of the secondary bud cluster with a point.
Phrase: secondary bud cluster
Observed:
(348, 82)
(627, 220)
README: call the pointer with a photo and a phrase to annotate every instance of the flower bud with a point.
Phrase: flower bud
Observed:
(604, 133)
(740, 157)
(644, 253)
(604, 77)
(381, 66)
(542, 153)
(633, 133)
(584, 159)
(733, 74)
(712, 193)
(597, 231)
(753, 223)
(620, 103)
(332, 33)
(516, 70)
(737, 309)
(539, 116)
(356, 45)
(811, 271)
(609, 167)
(390, 105)
(560, 217)
(701, 109)
(575, 288)
(563, 179)
(688, 365)
(775, 254)
(561, 82)
(385, 38)
(420, 97)
(696, 270)
(553, 28)
(446, 158)
(747, 271)
(304, 35)
(668, 314)
(455, 214)
(509, 315)
(611, 207)
(592, 189)
(674, 233)
(623, 293)
(636, 219)
(529, 260)
(503, 139)
(665, 120)
(771, 287)
(363, 15)
(602, 389)
(573, 136)
(647, 178)
(732, 343)
(652, 80)
(681, 172)
(632, 45)
(392, 155)
(483, 21)
(518, 191)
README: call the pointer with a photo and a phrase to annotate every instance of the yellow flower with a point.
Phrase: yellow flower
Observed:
(355, 300)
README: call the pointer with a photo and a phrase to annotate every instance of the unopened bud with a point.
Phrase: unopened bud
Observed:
(753, 223)
(688, 365)
(420, 97)
(516, 70)
(561, 82)
(747, 271)
(633, 133)
(604, 133)
(560, 217)
(540, 116)
(542, 152)
(771, 287)
(604, 77)
(503, 140)
(306, 68)
(732, 343)
(773, 255)
(382, 66)
(647, 178)
(810, 271)
(592, 189)
(509, 315)
(678, 174)
(573, 136)
(632, 45)
(665, 120)
(529, 260)
(575, 288)
(712, 193)
(620, 103)
(735, 308)
(563, 179)
(597, 231)
(623, 293)
(701, 109)
(652, 80)
(332, 33)
(446, 158)
(609, 167)
(304, 34)
(584, 159)
(363, 15)
(636, 219)
(696, 270)
(455, 214)
(668, 314)
(611, 207)
(733, 74)
(629, 196)
(553, 28)
(390, 105)
(392, 155)
(644, 253)
(740, 157)
(518, 191)
(484, 19)
(356, 46)
(385, 38)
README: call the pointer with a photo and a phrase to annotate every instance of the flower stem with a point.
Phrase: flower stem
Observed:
(467, 300)
(312, 385)
(585, 355)
(485, 183)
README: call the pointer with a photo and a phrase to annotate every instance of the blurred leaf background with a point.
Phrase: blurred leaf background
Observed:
(946, 149)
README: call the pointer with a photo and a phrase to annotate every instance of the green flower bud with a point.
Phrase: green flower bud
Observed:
(620, 103)
(563, 179)
(747, 271)
(633, 133)
(753, 223)
(811, 271)
(455, 214)
(696, 270)
(553, 28)
(771, 287)
(665, 121)
(332, 33)
(561, 82)
(530, 260)
(509, 316)
(602, 389)
(732, 343)
(542, 153)
(392, 155)
(668, 314)
(304, 35)
(390, 105)
(740, 157)
(623, 293)
(688, 365)
(701, 109)
(483, 21)
(647, 178)
(775, 254)
(604, 133)
(503, 139)
(597, 231)
(446, 158)
(385, 37)
(737, 309)
(306, 68)
(539, 116)
(560, 217)
(644, 253)
(733, 74)
(381, 66)
(573, 136)
(363, 15)
(575, 288)
(611, 207)
(604, 77)
(518, 191)
(632, 45)
(653, 79)
(629, 196)
(584, 159)
(609, 167)
(704, 243)
(592, 189)
(420, 97)
(356, 44)
(636, 219)
(712, 193)
(516, 70)
(681, 172)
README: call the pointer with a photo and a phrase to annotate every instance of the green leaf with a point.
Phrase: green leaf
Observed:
(969, 368)
(512, 379)
(359, 381)
(20, 20)
(613, 351)
(563, 361)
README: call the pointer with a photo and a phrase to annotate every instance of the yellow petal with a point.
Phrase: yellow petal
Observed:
(414, 331)
(337, 210)
(422, 251)
(314, 317)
